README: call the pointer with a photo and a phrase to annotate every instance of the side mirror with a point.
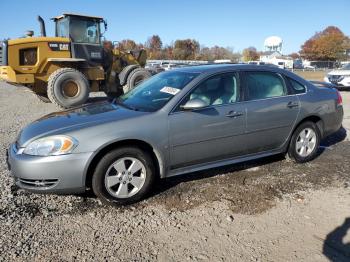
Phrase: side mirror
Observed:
(105, 27)
(195, 103)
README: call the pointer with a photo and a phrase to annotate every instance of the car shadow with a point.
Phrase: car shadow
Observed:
(334, 247)
(164, 185)
(333, 139)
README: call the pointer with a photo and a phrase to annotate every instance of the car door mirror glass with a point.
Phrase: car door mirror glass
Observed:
(195, 103)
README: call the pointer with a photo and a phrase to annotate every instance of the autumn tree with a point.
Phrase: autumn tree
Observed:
(154, 47)
(329, 44)
(294, 55)
(186, 49)
(250, 54)
(127, 44)
(217, 53)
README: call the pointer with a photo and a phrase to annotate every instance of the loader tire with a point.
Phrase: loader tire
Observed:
(136, 77)
(68, 87)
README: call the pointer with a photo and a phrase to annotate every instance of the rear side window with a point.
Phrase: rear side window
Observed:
(297, 87)
(261, 85)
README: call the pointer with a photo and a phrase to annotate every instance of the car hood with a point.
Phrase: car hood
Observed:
(80, 117)
(339, 72)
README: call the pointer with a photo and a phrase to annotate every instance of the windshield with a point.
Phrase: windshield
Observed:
(84, 31)
(152, 94)
(346, 67)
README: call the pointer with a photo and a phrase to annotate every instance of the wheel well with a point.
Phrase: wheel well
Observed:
(316, 119)
(131, 142)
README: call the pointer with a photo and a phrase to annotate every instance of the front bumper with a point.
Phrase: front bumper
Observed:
(54, 174)
(345, 82)
(9, 75)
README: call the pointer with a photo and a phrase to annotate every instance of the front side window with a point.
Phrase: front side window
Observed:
(152, 94)
(84, 31)
(217, 90)
(262, 85)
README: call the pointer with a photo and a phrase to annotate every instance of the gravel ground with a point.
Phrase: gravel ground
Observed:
(266, 210)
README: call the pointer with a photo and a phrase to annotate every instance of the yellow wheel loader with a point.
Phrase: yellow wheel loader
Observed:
(64, 69)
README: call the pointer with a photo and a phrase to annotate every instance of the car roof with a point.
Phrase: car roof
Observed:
(214, 68)
(218, 68)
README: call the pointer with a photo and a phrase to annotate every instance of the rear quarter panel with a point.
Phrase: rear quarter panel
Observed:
(321, 102)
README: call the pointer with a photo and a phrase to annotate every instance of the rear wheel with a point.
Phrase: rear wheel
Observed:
(123, 176)
(67, 87)
(305, 142)
(136, 77)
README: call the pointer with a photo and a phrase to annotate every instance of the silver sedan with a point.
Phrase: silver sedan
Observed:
(176, 122)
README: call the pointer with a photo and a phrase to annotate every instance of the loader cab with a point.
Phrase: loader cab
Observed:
(85, 35)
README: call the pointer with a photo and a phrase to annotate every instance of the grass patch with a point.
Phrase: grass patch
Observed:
(312, 75)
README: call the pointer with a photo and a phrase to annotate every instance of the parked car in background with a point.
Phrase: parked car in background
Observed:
(298, 64)
(256, 63)
(176, 122)
(169, 66)
(339, 77)
(154, 68)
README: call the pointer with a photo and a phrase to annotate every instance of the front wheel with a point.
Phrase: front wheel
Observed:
(68, 87)
(305, 142)
(123, 176)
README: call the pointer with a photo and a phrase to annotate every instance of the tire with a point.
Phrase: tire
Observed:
(67, 87)
(120, 189)
(301, 151)
(136, 77)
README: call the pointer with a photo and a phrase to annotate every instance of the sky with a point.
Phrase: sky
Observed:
(236, 24)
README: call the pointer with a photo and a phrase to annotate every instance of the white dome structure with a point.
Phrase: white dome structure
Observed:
(273, 43)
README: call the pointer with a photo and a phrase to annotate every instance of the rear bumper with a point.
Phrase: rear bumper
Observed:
(336, 123)
(54, 174)
(9, 75)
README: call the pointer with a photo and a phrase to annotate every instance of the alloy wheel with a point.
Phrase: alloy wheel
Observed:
(125, 177)
(306, 142)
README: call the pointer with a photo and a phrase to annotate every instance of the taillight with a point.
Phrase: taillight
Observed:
(339, 98)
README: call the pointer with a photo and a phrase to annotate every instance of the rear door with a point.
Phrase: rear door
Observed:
(271, 110)
(211, 133)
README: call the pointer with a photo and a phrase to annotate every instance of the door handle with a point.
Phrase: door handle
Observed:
(234, 114)
(292, 104)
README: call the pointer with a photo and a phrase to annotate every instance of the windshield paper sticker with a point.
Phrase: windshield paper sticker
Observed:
(170, 90)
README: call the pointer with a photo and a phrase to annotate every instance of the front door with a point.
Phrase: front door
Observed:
(211, 133)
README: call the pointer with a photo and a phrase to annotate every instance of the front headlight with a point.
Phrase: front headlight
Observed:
(51, 146)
